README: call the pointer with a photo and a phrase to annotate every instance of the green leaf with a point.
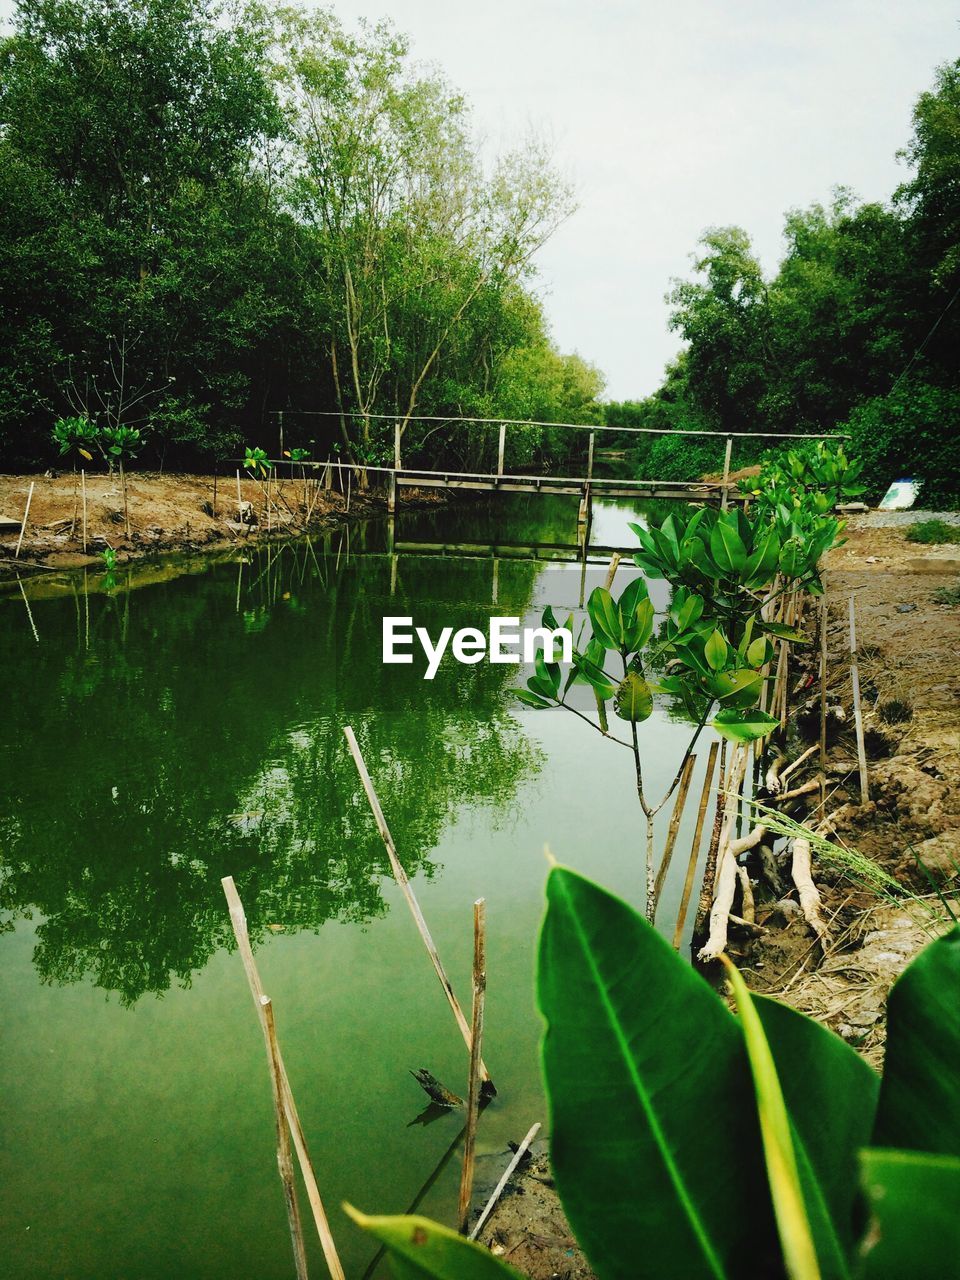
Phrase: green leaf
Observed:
(715, 651)
(532, 699)
(634, 700)
(759, 652)
(744, 726)
(914, 1233)
(789, 1206)
(605, 617)
(634, 592)
(420, 1248)
(793, 558)
(782, 632)
(548, 675)
(737, 688)
(726, 545)
(644, 1064)
(638, 632)
(919, 1106)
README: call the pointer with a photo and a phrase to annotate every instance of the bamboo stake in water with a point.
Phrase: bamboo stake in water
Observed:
(674, 827)
(507, 1175)
(23, 523)
(857, 709)
(239, 922)
(239, 499)
(695, 847)
(284, 1156)
(710, 869)
(405, 888)
(476, 1041)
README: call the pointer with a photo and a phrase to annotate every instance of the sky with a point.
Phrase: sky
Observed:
(673, 117)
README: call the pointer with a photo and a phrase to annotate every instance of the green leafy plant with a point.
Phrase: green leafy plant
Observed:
(933, 532)
(76, 435)
(257, 462)
(691, 1141)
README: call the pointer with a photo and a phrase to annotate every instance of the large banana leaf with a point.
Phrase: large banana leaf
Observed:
(919, 1107)
(914, 1232)
(423, 1250)
(655, 1148)
(831, 1097)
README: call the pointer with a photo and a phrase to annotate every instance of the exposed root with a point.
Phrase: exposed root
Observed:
(807, 891)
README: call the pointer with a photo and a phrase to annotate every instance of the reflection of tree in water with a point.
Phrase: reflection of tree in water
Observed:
(138, 772)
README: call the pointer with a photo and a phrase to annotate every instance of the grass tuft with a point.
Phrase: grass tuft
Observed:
(933, 532)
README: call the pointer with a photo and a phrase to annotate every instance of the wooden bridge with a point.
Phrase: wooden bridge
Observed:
(585, 487)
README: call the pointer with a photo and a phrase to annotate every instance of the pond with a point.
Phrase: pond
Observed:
(183, 726)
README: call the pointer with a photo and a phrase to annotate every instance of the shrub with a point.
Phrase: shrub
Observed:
(910, 432)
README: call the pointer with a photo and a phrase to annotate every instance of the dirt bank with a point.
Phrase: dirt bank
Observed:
(165, 513)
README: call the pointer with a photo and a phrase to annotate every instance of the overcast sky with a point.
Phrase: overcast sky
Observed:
(671, 117)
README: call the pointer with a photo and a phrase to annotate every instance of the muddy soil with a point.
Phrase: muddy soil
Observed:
(166, 513)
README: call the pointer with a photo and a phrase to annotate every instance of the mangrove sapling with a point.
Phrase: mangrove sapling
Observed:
(257, 462)
(117, 443)
(75, 437)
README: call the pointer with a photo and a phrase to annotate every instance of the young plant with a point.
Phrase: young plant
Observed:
(76, 437)
(117, 444)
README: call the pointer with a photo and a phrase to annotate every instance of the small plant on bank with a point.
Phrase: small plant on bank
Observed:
(949, 596)
(76, 437)
(933, 532)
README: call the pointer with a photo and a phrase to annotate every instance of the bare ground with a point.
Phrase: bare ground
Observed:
(166, 512)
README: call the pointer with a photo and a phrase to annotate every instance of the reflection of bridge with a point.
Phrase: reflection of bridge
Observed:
(586, 487)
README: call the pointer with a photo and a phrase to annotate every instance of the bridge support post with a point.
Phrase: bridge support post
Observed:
(593, 436)
(501, 447)
(396, 445)
(392, 494)
(726, 473)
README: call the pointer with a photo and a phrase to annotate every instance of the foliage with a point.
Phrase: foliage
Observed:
(715, 644)
(933, 532)
(816, 475)
(75, 435)
(169, 218)
(948, 595)
(120, 443)
(687, 1140)
(257, 462)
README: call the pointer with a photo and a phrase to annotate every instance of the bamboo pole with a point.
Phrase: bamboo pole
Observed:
(239, 499)
(284, 1156)
(724, 500)
(33, 625)
(710, 867)
(507, 1175)
(612, 570)
(123, 490)
(674, 827)
(23, 522)
(695, 847)
(214, 495)
(239, 922)
(476, 1042)
(406, 889)
(824, 619)
(857, 708)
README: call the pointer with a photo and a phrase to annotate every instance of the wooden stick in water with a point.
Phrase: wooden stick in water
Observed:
(407, 891)
(612, 570)
(857, 708)
(284, 1156)
(239, 499)
(239, 922)
(508, 1174)
(695, 848)
(23, 522)
(674, 827)
(710, 868)
(476, 1041)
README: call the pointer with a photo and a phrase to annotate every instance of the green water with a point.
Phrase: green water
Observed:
(157, 738)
